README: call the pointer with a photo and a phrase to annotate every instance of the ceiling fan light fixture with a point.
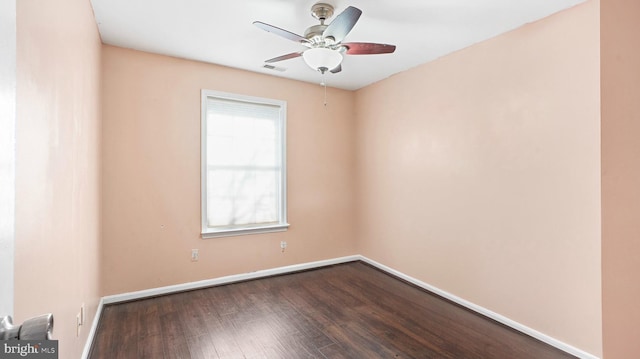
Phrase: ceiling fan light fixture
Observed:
(322, 59)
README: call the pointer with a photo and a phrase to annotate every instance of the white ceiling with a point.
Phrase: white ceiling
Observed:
(221, 32)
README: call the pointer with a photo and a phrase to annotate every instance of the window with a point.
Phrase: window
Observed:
(243, 165)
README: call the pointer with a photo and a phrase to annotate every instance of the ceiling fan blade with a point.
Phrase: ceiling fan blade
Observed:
(278, 31)
(337, 69)
(368, 48)
(292, 55)
(343, 23)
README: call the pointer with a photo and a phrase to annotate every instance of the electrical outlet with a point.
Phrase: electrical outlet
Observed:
(194, 255)
(82, 314)
(78, 325)
(283, 245)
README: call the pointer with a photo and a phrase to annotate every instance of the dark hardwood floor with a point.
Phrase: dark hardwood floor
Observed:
(344, 311)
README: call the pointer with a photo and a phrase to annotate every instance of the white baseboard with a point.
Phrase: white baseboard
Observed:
(224, 280)
(484, 311)
(312, 265)
(92, 332)
(125, 297)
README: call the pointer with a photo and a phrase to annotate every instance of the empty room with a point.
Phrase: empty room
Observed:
(321, 179)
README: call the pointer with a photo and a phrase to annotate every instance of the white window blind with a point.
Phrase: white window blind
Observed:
(244, 177)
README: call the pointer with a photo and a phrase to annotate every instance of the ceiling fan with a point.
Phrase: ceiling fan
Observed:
(325, 48)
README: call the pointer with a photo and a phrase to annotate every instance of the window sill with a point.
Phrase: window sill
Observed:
(245, 231)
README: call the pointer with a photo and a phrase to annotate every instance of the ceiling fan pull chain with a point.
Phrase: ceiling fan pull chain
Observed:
(325, 95)
(324, 84)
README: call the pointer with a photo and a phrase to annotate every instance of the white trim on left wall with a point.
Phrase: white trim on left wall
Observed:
(7, 154)
(112, 299)
(92, 332)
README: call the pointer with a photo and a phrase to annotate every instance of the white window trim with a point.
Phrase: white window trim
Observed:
(207, 232)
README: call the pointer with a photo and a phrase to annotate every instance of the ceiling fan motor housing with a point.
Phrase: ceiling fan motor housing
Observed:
(314, 31)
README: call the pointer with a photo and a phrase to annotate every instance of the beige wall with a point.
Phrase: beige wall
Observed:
(620, 22)
(479, 173)
(57, 166)
(151, 173)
